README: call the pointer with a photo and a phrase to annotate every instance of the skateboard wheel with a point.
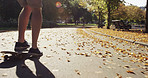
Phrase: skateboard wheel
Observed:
(6, 58)
(20, 57)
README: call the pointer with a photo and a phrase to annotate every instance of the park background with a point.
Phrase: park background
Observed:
(57, 13)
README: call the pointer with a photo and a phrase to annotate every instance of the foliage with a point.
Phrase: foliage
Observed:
(9, 9)
(135, 13)
(49, 10)
(73, 10)
(101, 8)
(147, 17)
(111, 6)
(70, 9)
(77, 10)
(130, 13)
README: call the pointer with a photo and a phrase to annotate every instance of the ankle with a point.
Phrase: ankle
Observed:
(21, 41)
(34, 47)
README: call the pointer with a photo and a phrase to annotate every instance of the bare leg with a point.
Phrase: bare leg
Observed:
(23, 22)
(36, 22)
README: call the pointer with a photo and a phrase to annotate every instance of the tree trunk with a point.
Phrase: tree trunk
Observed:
(75, 22)
(146, 18)
(99, 25)
(108, 19)
(100, 17)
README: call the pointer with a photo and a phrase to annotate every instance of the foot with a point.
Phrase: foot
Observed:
(35, 52)
(21, 46)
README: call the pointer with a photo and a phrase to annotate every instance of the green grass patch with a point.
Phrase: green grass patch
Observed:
(8, 28)
(73, 24)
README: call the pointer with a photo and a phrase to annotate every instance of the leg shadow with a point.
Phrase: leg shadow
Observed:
(9, 64)
(23, 71)
(41, 70)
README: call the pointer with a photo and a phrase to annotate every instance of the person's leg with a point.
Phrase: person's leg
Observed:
(36, 22)
(23, 22)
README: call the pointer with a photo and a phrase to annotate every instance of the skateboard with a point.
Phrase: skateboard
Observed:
(12, 55)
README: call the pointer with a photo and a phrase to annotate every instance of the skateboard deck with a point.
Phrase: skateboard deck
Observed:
(12, 55)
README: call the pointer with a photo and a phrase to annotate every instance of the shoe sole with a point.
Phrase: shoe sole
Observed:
(20, 48)
(35, 55)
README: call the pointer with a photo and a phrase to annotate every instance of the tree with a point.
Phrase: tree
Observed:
(135, 13)
(50, 10)
(146, 18)
(73, 9)
(77, 11)
(102, 8)
(130, 13)
(9, 9)
(120, 13)
(97, 7)
(111, 6)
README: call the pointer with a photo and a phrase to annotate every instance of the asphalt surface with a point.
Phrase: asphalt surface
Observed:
(69, 54)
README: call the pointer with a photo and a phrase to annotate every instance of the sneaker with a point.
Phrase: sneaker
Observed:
(21, 46)
(35, 52)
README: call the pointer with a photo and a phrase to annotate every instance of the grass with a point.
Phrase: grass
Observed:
(73, 24)
(8, 28)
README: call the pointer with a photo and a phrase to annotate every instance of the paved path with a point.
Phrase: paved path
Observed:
(68, 54)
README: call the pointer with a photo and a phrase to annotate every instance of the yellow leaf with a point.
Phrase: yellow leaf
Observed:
(98, 52)
(78, 48)
(129, 71)
(146, 64)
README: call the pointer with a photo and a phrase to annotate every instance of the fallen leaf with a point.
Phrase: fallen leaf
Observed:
(68, 60)
(87, 54)
(68, 53)
(63, 48)
(146, 64)
(78, 48)
(129, 71)
(45, 47)
(77, 71)
(119, 76)
(127, 66)
(99, 53)
(100, 67)
(142, 72)
(104, 56)
(81, 53)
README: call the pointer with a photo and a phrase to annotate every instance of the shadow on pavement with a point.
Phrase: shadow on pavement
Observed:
(23, 71)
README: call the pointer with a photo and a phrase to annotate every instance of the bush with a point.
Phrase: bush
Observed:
(9, 24)
(14, 24)
(48, 24)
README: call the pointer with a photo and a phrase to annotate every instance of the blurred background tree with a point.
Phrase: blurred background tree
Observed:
(147, 17)
(9, 9)
(78, 11)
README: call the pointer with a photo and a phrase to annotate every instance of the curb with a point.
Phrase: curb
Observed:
(132, 41)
